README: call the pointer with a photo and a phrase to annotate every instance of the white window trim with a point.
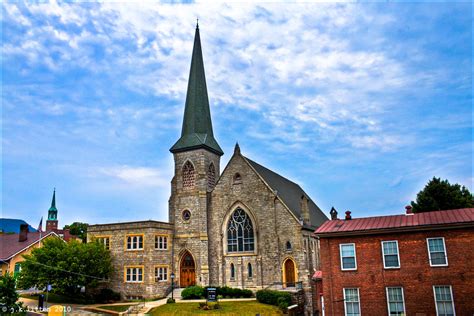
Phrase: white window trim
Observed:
(164, 241)
(131, 274)
(383, 254)
(344, 293)
(156, 276)
(132, 243)
(452, 298)
(355, 257)
(403, 298)
(429, 253)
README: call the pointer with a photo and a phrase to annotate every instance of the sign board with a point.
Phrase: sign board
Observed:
(211, 294)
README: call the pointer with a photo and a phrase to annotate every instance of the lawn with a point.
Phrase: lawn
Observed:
(227, 308)
(116, 308)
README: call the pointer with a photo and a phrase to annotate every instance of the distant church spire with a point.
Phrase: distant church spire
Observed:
(197, 125)
(53, 211)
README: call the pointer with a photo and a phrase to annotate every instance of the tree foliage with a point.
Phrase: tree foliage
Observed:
(8, 294)
(79, 229)
(66, 266)
(441, 195)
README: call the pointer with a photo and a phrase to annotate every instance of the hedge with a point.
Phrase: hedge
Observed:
(193, 292)
(276, 298)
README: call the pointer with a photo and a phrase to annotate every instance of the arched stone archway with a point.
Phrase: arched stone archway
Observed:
(289, 273)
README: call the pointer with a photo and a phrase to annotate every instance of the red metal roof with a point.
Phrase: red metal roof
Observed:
(9, 244)
(458, 216)
(318, 274)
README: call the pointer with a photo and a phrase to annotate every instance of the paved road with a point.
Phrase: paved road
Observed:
(72, 309)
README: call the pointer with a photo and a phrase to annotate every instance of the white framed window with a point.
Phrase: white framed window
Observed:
(351, 302)
(437, 252)
(395, 301)
(390, 254)
(133, 274)
(348, 256)
(105, 241)
(161, 273)
(134, 242)
(444, 300)
(161, 242)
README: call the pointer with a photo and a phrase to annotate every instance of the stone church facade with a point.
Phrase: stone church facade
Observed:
(245, 226)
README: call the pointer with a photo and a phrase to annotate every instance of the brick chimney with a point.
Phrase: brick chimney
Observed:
(348, 215)
(23, 233)
(409, 210)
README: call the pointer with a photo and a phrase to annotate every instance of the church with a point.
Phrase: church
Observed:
(242, 225)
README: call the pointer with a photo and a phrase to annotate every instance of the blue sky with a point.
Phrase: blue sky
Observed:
(361, 104)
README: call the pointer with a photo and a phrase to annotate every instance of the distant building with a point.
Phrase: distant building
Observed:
(12, 226)
(52, 222)
(14, 246)
(414, 264)
(245, 227)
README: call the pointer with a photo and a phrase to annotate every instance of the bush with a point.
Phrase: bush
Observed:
(107, 295)
(229, 292)
(193, 292)
(170, 301)
(277, 298)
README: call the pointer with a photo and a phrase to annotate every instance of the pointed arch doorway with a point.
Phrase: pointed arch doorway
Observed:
(289, 273)
(187, 270)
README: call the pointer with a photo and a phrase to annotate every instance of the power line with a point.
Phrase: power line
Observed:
(63, 270)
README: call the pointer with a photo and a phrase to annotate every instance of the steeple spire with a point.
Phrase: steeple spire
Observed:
(53, 211)
(197, 125)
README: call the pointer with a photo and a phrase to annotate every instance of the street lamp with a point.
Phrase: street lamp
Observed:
(172, 285)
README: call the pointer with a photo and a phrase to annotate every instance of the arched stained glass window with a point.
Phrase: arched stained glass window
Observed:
(211, 176)
(240, 236)
(188, 175)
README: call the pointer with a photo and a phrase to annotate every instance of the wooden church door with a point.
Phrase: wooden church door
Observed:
(187, 275)
(290, 273)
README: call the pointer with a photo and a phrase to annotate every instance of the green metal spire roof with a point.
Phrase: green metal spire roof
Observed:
(197, 124)
(53, 202)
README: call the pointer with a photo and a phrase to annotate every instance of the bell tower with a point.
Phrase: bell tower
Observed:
(196, 170)
(52, 222)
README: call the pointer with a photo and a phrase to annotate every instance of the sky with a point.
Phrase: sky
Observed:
(361, 104)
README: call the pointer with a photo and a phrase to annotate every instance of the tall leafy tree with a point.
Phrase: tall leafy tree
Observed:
(9, 303)
(79, 229)
(441, 195)
(66, 266)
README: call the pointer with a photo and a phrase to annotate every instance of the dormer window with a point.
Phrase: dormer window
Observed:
(237, 178)
(188, 175)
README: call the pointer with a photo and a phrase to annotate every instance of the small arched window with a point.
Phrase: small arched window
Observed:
(188, 175)
(232, 271)
(249, 270)
(288, 245)
(211, 176)
(237, 178)
(240, 236)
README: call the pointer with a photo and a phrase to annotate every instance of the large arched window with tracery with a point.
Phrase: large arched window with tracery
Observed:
(188, 175)
(240, 235)
(211, 176)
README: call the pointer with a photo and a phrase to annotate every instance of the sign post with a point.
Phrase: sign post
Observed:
(211, 294)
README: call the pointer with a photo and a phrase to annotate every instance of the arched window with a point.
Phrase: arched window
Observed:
(237, 178)
(288, 245)
(211, 176)
(232, 271)
(188, 175)
(249, 270)
(240, 235)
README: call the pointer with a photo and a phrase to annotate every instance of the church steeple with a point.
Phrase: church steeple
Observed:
(53, 211)
(197, 125)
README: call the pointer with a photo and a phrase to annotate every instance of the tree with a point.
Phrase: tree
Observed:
(79, 229)
(66, 266)
(8, 295)
(441, 195)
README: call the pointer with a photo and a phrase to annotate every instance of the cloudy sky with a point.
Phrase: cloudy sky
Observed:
(359, 103)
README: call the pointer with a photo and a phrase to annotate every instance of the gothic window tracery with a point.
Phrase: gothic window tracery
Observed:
(240, 235)
(188, 175)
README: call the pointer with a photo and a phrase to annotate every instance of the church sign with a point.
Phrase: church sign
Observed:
(211, 294)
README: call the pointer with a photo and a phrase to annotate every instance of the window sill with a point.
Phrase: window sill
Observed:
(240, 254)
(140, 249)
(391, 268)
(355, 269)
(161, 249)
(439, 265)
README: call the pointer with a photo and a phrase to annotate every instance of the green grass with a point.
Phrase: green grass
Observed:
(61, 299)
(116, 308)
(227, 308)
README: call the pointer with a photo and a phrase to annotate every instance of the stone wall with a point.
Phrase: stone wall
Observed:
(148, 258)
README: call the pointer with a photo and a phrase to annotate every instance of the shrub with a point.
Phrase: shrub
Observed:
(229, 292)
(107, 295)
(192, 292)
(277, 298)
(170, 301)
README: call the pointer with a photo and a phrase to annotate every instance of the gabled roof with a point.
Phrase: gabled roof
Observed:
(290, 193)
(427, 220)
(10, 246)
(197, 125)
(12, 225)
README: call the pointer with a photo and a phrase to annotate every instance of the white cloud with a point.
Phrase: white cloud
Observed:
(137, 176)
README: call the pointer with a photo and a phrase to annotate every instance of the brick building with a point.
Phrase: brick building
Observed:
(245, 227)
(413, 264)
